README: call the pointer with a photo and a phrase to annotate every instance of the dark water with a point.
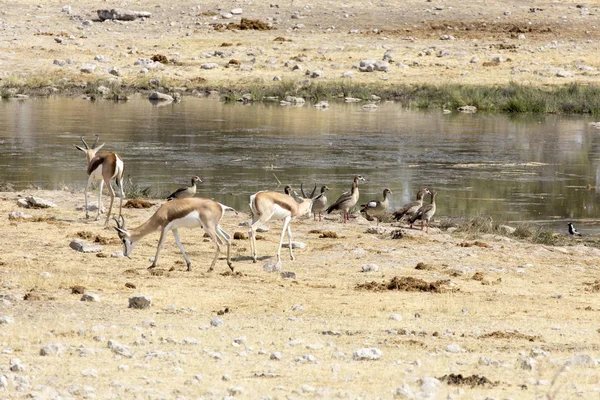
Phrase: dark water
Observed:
(525, 168)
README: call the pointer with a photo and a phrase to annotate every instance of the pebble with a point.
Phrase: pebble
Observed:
(158, 96)
(52, 349)
(6, 320)
(88, 296)
(429, 386)
(209, 65)
(396, 317)
(84, 247)
(453, 348)
(275, 356)
(370, 268)
(88, 68)
(216, 322)
(371, 353)
(235, 390)
(295, 245)
(119, 349)
(140, 302)
(90, 372)
(405, 392)
(306, 359)
(16, 365)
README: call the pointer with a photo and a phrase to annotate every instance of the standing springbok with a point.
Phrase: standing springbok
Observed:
(191, 212)
(104, 166)
(274, 205)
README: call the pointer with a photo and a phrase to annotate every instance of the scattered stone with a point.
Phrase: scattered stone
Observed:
(119, 349)
(317, 74)
(6, 320)
(35, 202)
(453, 348)
(396, 317)
(295, 245)
(122, 14)
(209, 65)
(528, 364)
(236, 11)
(92, 297)
(84, 247)
(371, 353)
(14, 215)
(474, 60)
(288, 275)
(140, 302)
(306, 359)
(564, 74)
(583, 360)
(467, 109)
(275, 356)
(472, 381)
(370, 268)
(52, 349)
(16, 365)
(88, 68)
(216, 322)
(429, 386)
(157, 96)
(114, 71)
(405, 392)
(90, 373)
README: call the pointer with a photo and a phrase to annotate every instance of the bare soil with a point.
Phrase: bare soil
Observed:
(291, 337)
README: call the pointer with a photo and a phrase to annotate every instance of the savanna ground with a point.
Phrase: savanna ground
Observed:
(522, 315)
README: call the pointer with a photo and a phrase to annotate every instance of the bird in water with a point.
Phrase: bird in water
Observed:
(573, 231)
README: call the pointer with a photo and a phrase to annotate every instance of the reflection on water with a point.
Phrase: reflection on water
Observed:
(522, 168)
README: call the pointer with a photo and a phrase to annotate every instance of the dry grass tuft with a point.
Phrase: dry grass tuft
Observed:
(510, 336)
(329, 235)
(406, 284)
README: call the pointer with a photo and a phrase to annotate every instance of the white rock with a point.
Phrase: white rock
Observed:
(453, 348)
(396, 317)
(429, 386)
(583, 360)
(90, 372)
(467, 109)
(84, 247)
(52, 349)
(370, 268)
(295, 245)
(237, 11)
(216, 322)
(6, 320)
(89, 296)
(371, 353)
(3, 382)
(405, 392)
(140, 302)
(235, 390)
(564, 74)
(88, 68)
(18, 215)
(16, 365)
(119, 349)
(209, 65)
(36, 202)
(157, 96)
(275, 356)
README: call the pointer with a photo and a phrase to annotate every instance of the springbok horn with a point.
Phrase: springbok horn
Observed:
(313, 192)
(123, 221)
(302, 190)
(84, 143)
(96, 142)
(117, 222)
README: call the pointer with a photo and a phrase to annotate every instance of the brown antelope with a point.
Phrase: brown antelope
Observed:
(104, 166)
(274, 205)
(191, 212)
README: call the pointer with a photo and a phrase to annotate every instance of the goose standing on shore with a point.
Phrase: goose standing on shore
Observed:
(347, 200)
(185, 192)
(410, 209)
(320, 203)
(426, 212)
(376, 208)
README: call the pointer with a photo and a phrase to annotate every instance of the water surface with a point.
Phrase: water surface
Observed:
(524, 168)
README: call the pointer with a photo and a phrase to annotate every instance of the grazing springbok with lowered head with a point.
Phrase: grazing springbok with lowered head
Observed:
(104, 166)
(191, 212)
(274, 205)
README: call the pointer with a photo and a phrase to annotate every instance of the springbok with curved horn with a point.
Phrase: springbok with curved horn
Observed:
(274, 205)
(104, 166)
(191, 212)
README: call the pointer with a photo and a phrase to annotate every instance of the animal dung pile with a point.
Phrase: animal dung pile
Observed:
(510, 336)
(137, 203)
(472, 381)
(407, 284)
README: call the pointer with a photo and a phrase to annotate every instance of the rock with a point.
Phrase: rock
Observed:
(467, 109)
(275, 356)
(84, 247)
(528, 364)
(382, 66)
(16, 365)
(295, 245)
(216, 322)
(317, 74)
(370, 268)
(236, 11)
(447, 37)
(405, 392)
(348, 74)
(52, 349)
(122, 14)
(276, 78)
(60, 63)
(3, 382)
(396, 317)
(101, 58)
(306, 359)
(388, 56)
(89, 296)
(507, 229)
(370, 107)
(88, 68)
(140, 302)
(226, 15)
(114, 71)
(453, 348)
(497, 59)
(322, 104)
(474, 60)
(18, 215)
(6, 320)
(87, 22)
(66, 9)
(371, 353)
(295, 100)
(35, 202)
(564, 74)
(288, 275)
(157, 96)
(209, 66)
(272, 266)
(583, 360)
(369, 61)
(90, 372)
(119, 349)
(429, 386)
(103, 90)
(351, 100)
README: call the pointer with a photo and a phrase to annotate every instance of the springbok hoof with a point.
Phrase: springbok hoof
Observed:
(152, 266)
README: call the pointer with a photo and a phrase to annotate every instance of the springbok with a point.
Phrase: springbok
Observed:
(274, 205)
(191, 212)
(104, 166)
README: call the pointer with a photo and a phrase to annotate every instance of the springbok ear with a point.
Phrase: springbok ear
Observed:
(99, 147)
(79, 148)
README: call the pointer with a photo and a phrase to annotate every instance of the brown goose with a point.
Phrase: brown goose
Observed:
(347, 200)
(426, 212)
(411, 208)
(185, 192)
(376, 208)
(319, 203)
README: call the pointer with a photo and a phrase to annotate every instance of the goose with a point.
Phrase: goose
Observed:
(287, 190)
(185, 192)
(426, 212)
(347, 200)
(320, 203)
(573, 231)
(410, 209)
(376, 208)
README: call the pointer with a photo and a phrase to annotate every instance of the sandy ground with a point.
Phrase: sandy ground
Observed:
(532, 41)
(524, 316)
